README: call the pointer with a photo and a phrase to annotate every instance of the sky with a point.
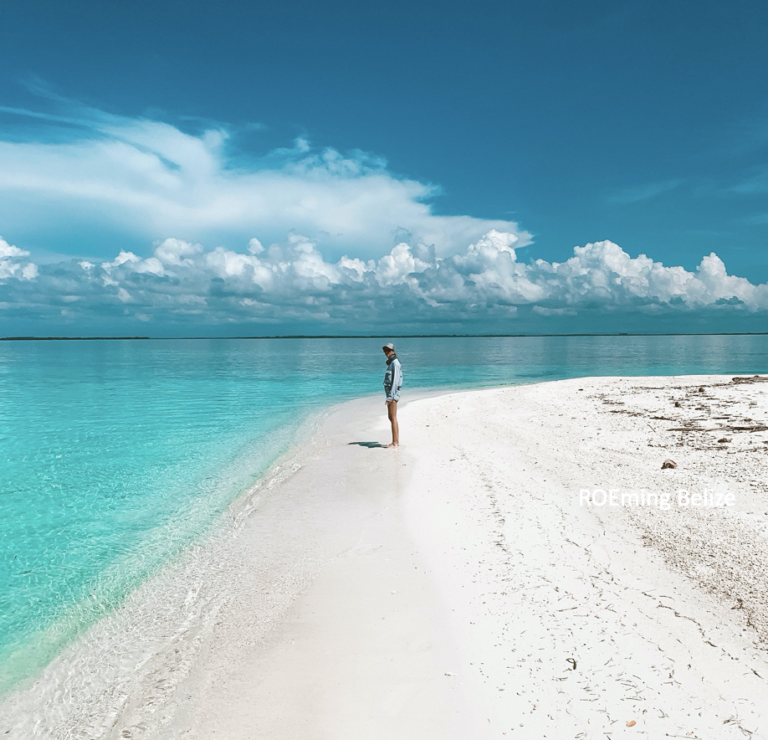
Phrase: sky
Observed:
(197, 168)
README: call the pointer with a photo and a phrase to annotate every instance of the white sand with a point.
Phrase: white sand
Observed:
(471, 596)
(456, 589)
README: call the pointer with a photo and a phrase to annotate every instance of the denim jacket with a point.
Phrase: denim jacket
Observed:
(393, 378)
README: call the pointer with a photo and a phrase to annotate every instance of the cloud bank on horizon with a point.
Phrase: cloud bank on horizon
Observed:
(183, 283)
(137, 180)
(342, 214)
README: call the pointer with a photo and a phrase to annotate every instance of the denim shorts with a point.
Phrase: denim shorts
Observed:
(395, 396)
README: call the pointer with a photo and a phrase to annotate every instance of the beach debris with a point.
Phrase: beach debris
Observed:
(723, 440)
(668, 464)
(572, 662)
(450, 674)
(631, 723)
(729, 428)
(753, 379)
(678, 404)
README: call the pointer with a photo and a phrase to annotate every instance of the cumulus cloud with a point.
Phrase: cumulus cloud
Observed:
(12, 263)
(142, 180)
(291, 281)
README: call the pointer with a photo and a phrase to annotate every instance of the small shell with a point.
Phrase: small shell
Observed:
(631, 723)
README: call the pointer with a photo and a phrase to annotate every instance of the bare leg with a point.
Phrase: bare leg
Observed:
(392, 416)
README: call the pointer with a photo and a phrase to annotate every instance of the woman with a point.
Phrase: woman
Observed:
(393, 379)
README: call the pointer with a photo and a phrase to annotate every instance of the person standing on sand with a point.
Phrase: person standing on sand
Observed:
(393, 379)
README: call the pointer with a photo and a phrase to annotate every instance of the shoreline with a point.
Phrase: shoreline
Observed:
(135, 656)
(356, 605)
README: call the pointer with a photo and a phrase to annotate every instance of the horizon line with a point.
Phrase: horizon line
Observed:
(379, 336)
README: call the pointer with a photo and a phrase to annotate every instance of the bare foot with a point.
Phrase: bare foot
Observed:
(391, 444)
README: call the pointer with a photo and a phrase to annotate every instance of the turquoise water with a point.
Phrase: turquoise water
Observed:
(117, 455)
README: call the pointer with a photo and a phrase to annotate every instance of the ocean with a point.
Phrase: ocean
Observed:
(119, 455)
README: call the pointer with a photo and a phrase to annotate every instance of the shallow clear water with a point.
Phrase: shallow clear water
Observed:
(116, 455)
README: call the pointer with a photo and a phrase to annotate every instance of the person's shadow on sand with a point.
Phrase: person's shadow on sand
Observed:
(367, 444)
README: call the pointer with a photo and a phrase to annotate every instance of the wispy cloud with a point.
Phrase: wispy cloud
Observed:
(148, 179)
(756, 184)
(744, 139)
(644, 192)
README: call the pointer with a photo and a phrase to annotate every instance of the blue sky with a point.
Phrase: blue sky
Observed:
(360, 126)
